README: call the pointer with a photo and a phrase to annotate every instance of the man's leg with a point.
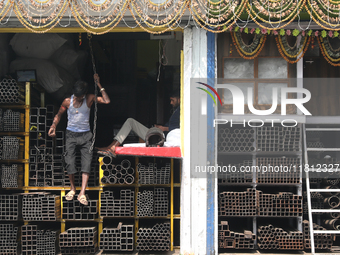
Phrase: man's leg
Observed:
(70, 162)
(130, 124)
(86, 159)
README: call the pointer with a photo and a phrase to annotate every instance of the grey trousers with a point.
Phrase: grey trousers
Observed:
(135, 126)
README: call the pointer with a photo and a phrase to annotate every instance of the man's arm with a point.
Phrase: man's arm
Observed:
(104, 99)
(57, 117)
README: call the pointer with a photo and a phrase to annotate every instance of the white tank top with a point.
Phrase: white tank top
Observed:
(78, 118)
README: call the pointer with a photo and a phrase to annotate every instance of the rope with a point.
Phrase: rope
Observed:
(89, 36)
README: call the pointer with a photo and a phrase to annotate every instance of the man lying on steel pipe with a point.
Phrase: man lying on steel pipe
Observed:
(132, 125)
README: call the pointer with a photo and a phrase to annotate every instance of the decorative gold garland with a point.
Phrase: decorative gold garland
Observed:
(284, 53)
(5, 9)
(318, 19)
(326, 54)
(246, 51)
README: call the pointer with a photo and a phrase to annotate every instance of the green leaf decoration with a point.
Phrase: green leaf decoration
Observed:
(336, 34)
(268, 32)
(257, 30)
(310, 31)
(296, 32)
(282, 32)
(237, 29)
(246, 30)
(323, 33)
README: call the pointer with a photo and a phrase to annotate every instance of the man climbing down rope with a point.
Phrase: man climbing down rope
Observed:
(78, 133)
(141, 130)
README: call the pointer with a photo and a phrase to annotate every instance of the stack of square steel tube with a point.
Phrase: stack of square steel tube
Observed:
(8, 239)
(123, 207)
(228, 239)
(117, 239)
(81, 240)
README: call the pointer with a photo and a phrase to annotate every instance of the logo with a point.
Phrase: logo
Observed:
(213, 90)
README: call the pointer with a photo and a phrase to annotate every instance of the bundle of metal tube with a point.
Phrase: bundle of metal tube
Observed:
(321, 241)
(238, 203)
(38, 240)
(123, 207)
(160, 202)
(73, 210)
(117, 239)
(236, 175)
(317, 144)
(81, 240)
(13, 121)
(156, 238)
(45, 168)
(278, 170)
(270, 237)
(152, 175)
(231, 240)
(10, 147)
(40, 206)
(10, 207)
(145, 203)
(10, 93)
(278, 138)
(8, 239)
(284, 204)
(1, 121)
(122, 173)
(235, 140)
(11, 176)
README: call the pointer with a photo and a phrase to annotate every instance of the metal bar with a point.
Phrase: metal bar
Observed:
(322, 129)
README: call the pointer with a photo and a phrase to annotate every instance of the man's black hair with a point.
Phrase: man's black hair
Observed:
(175, 93)
(80, 88)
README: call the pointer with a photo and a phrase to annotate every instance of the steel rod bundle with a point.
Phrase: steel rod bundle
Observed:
(160, 202)
(117, 239)
(278, 138)
(152, 175)
(117, 207)
(317, 144)
(321, 241)
(235, 175)
(73, 210)
(235, 140)
(156, 238)
(270, 237)
(284, 204)
(11, 176)
(13, 121)
(10, 92)
(79, 240)
(228, 239)
(122, 173)
(40, 206)
(38, 241)
(278, 170)
(238, 203)
(10, 207)
(8, 239)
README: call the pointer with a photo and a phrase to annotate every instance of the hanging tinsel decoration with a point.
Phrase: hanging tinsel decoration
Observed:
(331, 55)
(292, 54)
(217, 14)
(326, 13)
(274, 14)
(158, 16)
(249, 51)
(40, 16)
(98, 17)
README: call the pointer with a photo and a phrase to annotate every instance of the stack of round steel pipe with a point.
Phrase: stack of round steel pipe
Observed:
(122, 173)
(276, 238)
(145, 203)
(156, 238)
(235, 140)
(10, 92)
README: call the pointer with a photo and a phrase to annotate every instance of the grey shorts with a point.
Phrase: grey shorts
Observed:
(83, 142)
